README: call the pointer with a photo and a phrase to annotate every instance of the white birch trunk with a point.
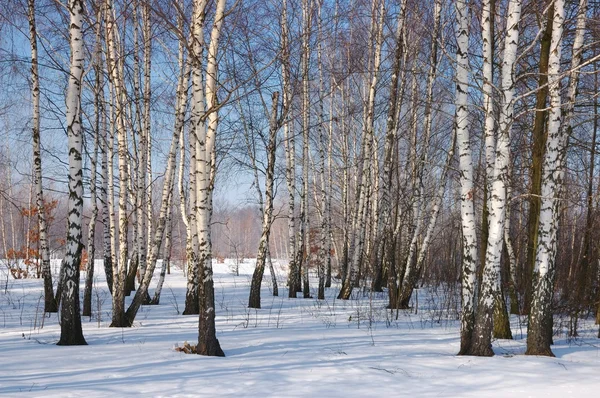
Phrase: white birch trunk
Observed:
(166, 254)
(539, 335)
(290, 155)
(115, 77)
(304, 248)
(99, 125)
(206, 130)
(490, 289)
(70, 326)
(463, 142)
(267, 207)
(148, 215)
(323, 254)
(49, 301)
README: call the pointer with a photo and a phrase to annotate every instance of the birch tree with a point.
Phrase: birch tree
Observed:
(267, 209)
(290, 155)
(166, 261)
(71, 332)
(490, 293)
(115, 73)
(539, 136)
(323, 253)
(539, 336)
(205, 127)
(145, 168)
(99, 126)
(50, 304)
(467, 193)
(304, 247)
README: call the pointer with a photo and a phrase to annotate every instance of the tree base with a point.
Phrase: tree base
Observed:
(540, 351)
(122, 322)
(479, 351)
(147, 300)
(211, 350)
(72, 341)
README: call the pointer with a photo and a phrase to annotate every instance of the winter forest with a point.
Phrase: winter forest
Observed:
(376, 190)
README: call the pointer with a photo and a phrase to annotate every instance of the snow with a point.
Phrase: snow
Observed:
(290, 347)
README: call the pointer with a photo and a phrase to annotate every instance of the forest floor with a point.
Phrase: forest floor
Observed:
(290, 347)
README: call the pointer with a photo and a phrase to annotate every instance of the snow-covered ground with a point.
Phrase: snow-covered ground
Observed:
(290, 347)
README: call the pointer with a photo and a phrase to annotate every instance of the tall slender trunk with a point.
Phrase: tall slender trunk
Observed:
(488, 18)
(467, 192)
(206, 130)
(165, 266)
(304, 248)
(491, 294)
(192, 303)
(138, 174)
(510, 252)
(323, 254)
(71, 332)
(146, 145)
(328, 200)
(539, 332)
(116, 79)
(110, 246)
(290, 155)
(263, 245)
(50, 304)
(537, 156)
(99, 127)
(191, 295)
(345, 191)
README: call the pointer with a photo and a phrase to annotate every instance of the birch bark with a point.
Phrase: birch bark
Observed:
(71, 332)
(491, 295)
(304, 248)
(539, 332)
(115, 76)
(208, 344)
(50, 304)
(99, 126)
(267, 222)
(290, 156)
(468, 224)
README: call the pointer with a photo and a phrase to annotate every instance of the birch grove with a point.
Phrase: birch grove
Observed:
(389, 150)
